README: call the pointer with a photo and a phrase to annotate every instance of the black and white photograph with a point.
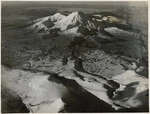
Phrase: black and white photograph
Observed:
(74, 57)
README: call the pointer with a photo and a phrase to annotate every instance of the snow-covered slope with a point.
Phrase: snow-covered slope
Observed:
(46, 22)
(40, 24)
(44, 93)
(57, 17)
(75, 21)
(37, 93)
(133, 91)
(122, 34)
(131, 85)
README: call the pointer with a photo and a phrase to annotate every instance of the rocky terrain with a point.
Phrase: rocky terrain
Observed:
(72, 61)
(73, 88)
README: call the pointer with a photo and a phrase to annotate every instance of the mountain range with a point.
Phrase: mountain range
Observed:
(76, 24)
(106, 29)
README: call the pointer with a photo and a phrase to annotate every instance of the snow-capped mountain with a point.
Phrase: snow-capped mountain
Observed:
(80, 24)
(76, 23)
(73, 20)
(46, 22)
(57, 17)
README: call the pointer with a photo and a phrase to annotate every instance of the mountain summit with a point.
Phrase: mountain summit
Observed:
(72, 20)
(73, 24)
(76, 24)
(57, 17)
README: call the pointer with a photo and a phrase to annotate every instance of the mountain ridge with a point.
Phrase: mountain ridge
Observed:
(77, 21)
